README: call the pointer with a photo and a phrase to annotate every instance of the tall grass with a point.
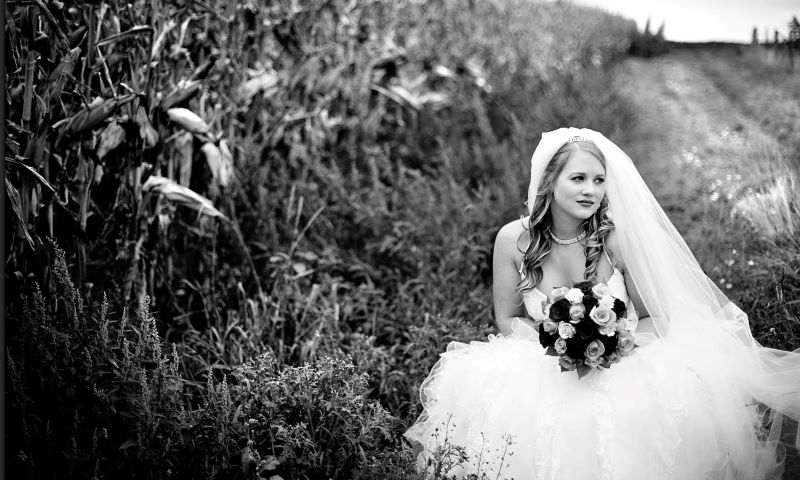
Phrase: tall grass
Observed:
(303, 180)
(773, 210)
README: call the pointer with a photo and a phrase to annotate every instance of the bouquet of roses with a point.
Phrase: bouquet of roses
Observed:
(586, 327)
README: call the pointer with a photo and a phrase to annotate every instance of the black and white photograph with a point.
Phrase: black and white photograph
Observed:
(401, 239)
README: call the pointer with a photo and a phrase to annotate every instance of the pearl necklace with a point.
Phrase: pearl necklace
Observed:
(568, 241)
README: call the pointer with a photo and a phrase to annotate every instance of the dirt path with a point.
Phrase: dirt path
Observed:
(690, 134)
(697, 133)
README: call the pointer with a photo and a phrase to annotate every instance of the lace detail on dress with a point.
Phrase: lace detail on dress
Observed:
(666, 438)
(603, 407)
(547, 465)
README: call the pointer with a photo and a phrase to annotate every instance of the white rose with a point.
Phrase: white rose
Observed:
(567, 363)
(601, 290)
(566, 330)
(625, 343)
(550, 326)
(608, 330)
(606, 302)
(560, 345)
(614, 357)
(602, 316)
(574, 295)
(595, 350)
(576, 313)
(557, 294)
(593, 362)
(623, 325)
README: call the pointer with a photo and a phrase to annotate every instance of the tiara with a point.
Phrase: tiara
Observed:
(580, 139)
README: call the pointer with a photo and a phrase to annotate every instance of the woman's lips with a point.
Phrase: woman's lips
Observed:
(586, 203)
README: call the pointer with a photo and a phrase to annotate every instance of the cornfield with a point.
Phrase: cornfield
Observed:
(276, 189)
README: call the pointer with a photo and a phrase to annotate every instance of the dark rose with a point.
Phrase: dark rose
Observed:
(567, 363)
(576, 347)
(585, 287)
(589, 302)
(586, 330)
(559, 311)
(609, 342)
(619, 308)
(546, 339)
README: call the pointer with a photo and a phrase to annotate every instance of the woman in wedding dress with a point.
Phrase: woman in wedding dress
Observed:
(698, 398)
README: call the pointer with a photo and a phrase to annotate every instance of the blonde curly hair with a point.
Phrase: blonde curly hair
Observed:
(596, 227)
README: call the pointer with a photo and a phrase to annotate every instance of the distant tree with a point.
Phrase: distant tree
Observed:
(645, 43)
(755, 36)
(660, 33)
(794, 31)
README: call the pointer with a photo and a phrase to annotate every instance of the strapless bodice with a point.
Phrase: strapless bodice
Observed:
(533, 298)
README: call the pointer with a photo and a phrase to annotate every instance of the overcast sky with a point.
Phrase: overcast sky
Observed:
(707, 20)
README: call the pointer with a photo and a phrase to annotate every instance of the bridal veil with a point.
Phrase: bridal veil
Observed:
(685, 305)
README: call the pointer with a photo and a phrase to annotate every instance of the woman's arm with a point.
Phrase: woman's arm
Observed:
(645, 322)
(505, 277)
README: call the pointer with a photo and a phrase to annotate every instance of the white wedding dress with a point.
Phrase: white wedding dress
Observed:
(658, 414)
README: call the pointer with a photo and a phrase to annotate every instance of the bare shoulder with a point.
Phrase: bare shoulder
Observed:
(612, 244)
(511, 239)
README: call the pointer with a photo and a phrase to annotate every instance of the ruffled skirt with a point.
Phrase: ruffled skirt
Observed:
(504, 407)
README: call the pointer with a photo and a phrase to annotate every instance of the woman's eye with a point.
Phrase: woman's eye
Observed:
(579, 178)
(600, 180)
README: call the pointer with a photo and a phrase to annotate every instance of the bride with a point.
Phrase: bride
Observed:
(698, 398)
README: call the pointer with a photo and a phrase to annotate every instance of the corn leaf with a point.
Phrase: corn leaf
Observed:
(16, 205)
(146, 130)
(133, 32)
(181, 195)
(188, 120)
(111, 138)
(184, 149)
(265, 82)
(57, 79)
(184, 90)
(32, 172)
(220, 161)
(96, 114)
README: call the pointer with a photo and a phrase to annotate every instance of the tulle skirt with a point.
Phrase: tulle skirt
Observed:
(503, 408)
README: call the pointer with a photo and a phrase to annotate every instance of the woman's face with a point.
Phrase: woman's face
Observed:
(580, 187)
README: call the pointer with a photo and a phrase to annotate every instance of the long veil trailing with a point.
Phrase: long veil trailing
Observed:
(686, 306)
